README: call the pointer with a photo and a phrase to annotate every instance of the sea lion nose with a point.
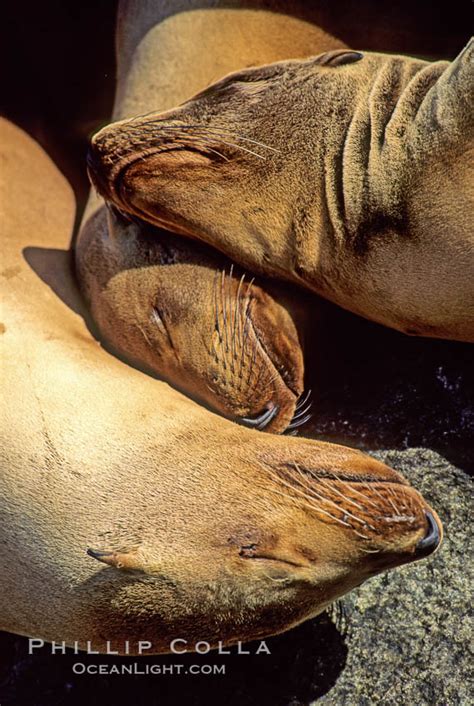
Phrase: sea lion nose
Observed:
(432, 538)
(93, 158)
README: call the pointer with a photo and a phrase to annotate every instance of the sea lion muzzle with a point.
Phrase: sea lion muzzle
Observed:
(261, 420)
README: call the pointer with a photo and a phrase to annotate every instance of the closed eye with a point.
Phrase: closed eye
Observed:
(157, 318)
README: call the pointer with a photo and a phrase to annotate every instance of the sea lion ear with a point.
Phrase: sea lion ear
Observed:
(338, 57)
(129, 560)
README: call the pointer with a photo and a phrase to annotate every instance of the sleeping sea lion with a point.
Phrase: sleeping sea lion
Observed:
(196, 528)
(350, 174)
(182, 312)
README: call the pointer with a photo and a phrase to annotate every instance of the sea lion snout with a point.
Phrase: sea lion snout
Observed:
(372, 518)
(302, 534)
(102, 155)
(255, 372)
(93, 170)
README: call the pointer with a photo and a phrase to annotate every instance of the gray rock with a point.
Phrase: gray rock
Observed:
(409, 632)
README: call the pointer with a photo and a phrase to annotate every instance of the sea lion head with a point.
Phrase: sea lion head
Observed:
(189, 316)
(240, 164)
(300, 169)
(273, 543)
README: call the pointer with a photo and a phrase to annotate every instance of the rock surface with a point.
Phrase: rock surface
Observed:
(408, 631)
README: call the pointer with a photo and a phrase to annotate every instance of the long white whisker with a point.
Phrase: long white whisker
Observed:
(215, 130)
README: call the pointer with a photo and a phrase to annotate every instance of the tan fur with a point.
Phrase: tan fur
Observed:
(362, 189)
(206, 530)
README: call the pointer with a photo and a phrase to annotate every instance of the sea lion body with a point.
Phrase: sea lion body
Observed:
(206, 530)
(347, 173)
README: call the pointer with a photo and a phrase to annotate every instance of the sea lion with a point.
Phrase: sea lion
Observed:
(183, 313)
(348, 173)
(207, 530)
(171, 306)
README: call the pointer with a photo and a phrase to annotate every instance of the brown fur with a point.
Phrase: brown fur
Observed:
(358, 184)
(186, 315)
(206, 530)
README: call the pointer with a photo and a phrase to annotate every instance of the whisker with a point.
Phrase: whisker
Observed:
(224, 312)
(302, 400)
(242, 300)
(244, 327)
(374, 488)
(196, 137)
(357, 492)
(217, 131)
(364, 536)
(229, 307)
(300, 422)
(397, 512)
(301, 413)
(324, 481)
(327, 500)
(216, 308)
(394, 495)
(237, 310)
(252, 359)
(314, 507)
(219, 154)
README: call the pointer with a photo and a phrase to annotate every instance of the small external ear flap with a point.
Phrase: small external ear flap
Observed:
(126, 559)
(339, 57)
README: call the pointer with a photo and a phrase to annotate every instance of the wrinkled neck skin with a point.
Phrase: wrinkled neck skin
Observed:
(375, 200)
(385, 226)
(398, 183)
